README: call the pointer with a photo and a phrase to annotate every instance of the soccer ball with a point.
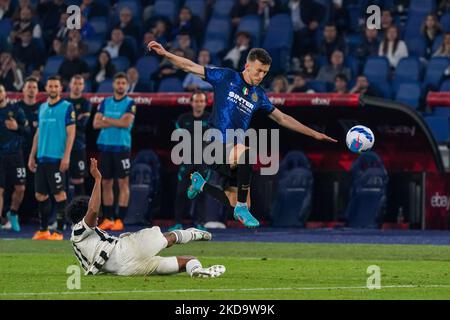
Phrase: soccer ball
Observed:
(360, 139)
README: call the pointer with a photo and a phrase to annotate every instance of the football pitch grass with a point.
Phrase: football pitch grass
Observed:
(255, 270)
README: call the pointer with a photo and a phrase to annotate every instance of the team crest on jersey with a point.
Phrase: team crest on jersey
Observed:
(245, 91)
(254, 97)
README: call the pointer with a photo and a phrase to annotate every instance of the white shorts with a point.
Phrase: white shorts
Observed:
(136, 253)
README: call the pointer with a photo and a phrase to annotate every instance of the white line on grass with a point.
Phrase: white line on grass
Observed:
(217, 290)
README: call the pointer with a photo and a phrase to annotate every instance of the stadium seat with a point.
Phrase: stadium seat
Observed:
(94, 44)
(147, 66)
(376, 69)
(318, 86)
(435, 70)
(445, 86)
(171, 84)
(408, 69)
(384, 89)
(52, 65)
(141, 188)
(134, 6)
(165, 8)
(445, 22)
(222, 8)
(198, 8)
(439, 126)
(215, 47)
(368, 192)
(218, 28)
(292, 204)
(436, 43)
(150, 158)
(90, 59)
(409, 93)
(421, 6)
(252, 25)
(441, 112)
(121, 63)
(278, 42)
(105, 86)
(5, 27)
(100, 25)
(353, 64)
(416, 46)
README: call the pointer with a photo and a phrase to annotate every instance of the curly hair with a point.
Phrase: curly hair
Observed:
(77, 208)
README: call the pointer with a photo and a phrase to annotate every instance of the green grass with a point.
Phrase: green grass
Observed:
(254, 271)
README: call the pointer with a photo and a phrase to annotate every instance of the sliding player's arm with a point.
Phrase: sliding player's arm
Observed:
(289, 122)
(96, 197)
(184, 64)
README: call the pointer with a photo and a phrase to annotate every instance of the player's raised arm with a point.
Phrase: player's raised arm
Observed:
(289, 122)
(182, 63)
(96, 197)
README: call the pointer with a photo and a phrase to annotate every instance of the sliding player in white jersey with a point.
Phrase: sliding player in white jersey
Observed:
(130, 253)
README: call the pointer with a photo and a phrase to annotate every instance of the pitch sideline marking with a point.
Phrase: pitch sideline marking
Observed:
(219, 290)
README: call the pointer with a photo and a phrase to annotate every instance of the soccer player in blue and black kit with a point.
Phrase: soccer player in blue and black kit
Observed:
(115, 117)
(82, 107)
(52, 145)
(13, 126)
(237, 95)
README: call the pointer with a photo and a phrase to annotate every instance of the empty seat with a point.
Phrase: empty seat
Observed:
(376, 69)
(218, 28)
(198, 8)
(171, 84)
(441, 111)
(100, 25)
(416, 46)
(408, 69)
(278, 42)
(105, 86)
(90, 59)
(439, 126)
(222, 8)
(134, 6)
(5, 27)
(165, 8)
(146, 67)
(52, 65)
(318, 86)
(252, 25)
(409, 93)
(445, 22)
(435, 70)
(94, 44)
(445, 86)
(121, 63)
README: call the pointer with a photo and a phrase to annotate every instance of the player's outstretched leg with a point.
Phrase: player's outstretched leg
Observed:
(191, 234)
(190, 264)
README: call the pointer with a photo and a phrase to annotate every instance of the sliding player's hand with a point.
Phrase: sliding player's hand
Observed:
(324, 137)
(94, 170)
(157, 47)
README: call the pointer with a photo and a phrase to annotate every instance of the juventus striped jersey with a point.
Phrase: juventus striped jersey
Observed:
(92, 246)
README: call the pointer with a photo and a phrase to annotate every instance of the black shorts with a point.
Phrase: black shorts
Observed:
(12, 170)
(48, 179)
(77, 168)
(115, 165)
(228, 176)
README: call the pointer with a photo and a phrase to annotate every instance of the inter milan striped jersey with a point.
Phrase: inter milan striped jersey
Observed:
(52, 121)
(92, 246)
(114, 139)
(235, 101)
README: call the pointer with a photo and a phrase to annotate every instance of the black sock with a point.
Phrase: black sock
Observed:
(79, 189)
(122, 212)
(13, 212)
(244, 175)
(44, 208)
(220, 195)
(108, 212)
(60, 217)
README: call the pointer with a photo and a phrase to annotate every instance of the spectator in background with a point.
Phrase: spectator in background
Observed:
(306, 17)
(236, 57)
(331, 42)
(49, 13)
(118, 47)
(299, 84)
(443, 8)
(183, 42)
(10, 75)
(444, 48)
(279, 84)
(267, 9)
(134, 85)
(57, 48)
(329, 72)
(72, 65)
(242, 8)
(387, 20)
(362, 86)
(339, 16)
(27, 53)
(127, 25)
(369, 46)
(74, 37)
(160, 31)
(103, 69)
(188, 24)
(392, 47)
(341, 84)
(167, 69)
(308, 67)
(148, 37)
(90, 8)
(6, 9)
(431, 28)
(193, 82)
(23, 22)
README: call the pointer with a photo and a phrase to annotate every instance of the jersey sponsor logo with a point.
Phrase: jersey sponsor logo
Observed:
(243, 105)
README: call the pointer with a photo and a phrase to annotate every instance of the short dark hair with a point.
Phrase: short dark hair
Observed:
(341, 76)
(196, 92)
(77, 77)
(55, 77)
(259, 54)
(120, 75)
(31, 79)
(77, 208)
